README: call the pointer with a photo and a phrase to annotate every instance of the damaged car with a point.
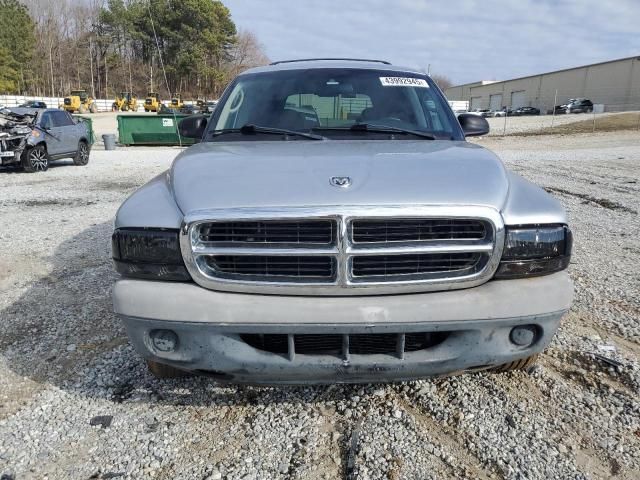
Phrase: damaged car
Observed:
(32, 138)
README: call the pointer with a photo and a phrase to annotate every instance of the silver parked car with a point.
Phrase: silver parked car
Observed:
(367, 242)
(33, 137)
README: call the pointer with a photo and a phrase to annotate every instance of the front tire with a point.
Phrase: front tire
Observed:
(160, 370)
(35, 159)
(93, 108)
(522, 364)
(82, 154)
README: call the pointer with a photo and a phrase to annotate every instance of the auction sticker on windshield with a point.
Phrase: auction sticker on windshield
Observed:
(403, 82)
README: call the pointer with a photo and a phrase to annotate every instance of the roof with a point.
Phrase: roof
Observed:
(331, 63)
(478, 84)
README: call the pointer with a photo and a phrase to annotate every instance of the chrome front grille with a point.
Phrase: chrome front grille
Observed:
(346, 251)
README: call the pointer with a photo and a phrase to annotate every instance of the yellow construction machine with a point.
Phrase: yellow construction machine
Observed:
(124, 102)
(176, 102)
(152, 102)
(78, 101)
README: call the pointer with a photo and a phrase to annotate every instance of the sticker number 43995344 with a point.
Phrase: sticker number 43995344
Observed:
(403, 82)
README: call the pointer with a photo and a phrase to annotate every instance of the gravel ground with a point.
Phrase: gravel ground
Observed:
(76, 402)
(525, 124)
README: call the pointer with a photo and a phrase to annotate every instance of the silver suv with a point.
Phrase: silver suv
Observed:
(33, 137)
(333, 225)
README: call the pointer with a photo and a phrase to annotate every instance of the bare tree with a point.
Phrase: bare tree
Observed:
(248, 52)
(442, 81)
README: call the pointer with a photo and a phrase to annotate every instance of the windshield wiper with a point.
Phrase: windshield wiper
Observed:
(251, 129)
(371, 127)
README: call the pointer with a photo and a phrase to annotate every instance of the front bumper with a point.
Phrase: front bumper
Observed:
(208, 325)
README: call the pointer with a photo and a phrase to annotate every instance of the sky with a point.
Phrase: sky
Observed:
(465, 40)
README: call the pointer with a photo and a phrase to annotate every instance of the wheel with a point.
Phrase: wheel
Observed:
(160, 370)
(521, 364)
(82, 109)
(35, 159)
(82, 154)
(93, 108)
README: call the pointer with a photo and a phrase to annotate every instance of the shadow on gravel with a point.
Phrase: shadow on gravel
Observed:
(15, 168)
(62, 331)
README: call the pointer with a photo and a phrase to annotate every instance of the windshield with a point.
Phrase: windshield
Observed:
(331, 102)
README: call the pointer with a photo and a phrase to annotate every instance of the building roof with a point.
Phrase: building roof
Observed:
(546, 73)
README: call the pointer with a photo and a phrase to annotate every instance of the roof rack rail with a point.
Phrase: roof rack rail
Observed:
(319, 59)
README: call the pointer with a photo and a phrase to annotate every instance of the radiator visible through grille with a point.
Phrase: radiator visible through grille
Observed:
(343, 345)
(320, 232)
(389, 265)
(416, 230)
(273, 266)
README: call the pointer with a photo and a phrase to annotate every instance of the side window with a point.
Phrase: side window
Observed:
(61, 119)
(436, 119)
(229, 114)
(45, 120)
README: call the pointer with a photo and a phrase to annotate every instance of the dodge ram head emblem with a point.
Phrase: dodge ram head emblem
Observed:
(341, 182)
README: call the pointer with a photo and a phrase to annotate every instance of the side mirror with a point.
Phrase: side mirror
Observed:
(473, 125)
(193, 126)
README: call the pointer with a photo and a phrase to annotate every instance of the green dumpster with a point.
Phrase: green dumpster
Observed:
(89, 122)
(151, 130)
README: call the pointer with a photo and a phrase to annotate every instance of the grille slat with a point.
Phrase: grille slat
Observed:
(334, 344)
(273, 266)
(416, 230)
(389, 265)
(320, 232)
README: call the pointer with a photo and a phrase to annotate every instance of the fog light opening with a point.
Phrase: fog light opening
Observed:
(164, 340)
(524, 335)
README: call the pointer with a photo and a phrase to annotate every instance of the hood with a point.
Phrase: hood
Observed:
(297, 173)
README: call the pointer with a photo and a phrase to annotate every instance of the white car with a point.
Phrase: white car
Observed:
(479, 112)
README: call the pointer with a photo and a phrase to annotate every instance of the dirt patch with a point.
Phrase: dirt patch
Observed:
(124, 186)
(603, 202)
(63, 202)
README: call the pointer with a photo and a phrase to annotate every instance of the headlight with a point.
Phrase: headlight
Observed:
(152, 254)
(531, 251)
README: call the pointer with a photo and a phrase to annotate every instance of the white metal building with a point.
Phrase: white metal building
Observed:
(615, 84)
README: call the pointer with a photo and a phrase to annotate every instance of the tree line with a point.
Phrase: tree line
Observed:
(48, 48)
